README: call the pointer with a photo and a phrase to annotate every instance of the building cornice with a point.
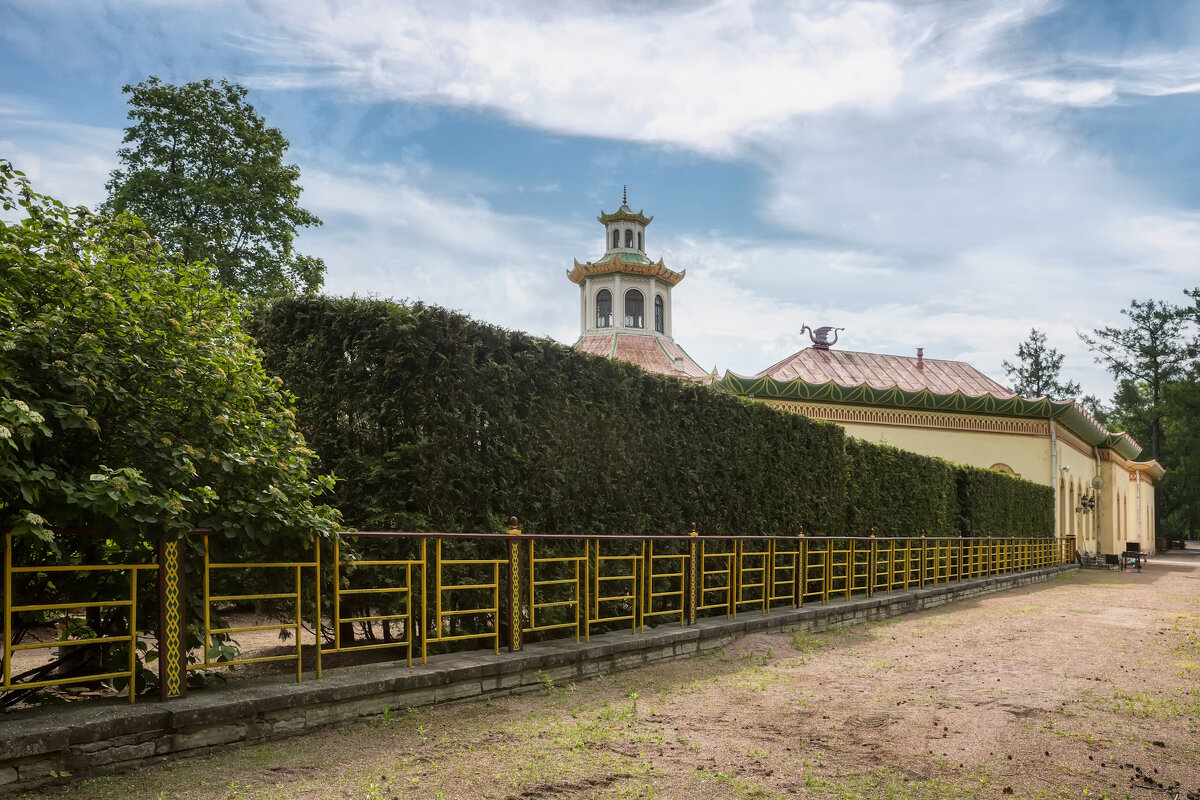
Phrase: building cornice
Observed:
(623, 214)
(614, 265)
(913, 419)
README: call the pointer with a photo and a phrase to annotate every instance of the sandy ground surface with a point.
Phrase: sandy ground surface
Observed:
(1087, 686)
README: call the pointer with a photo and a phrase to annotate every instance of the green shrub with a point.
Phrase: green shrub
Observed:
(1003, 505)
(898, 493)
(435, 422)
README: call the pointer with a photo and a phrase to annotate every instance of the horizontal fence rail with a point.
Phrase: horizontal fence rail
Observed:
(420, 592)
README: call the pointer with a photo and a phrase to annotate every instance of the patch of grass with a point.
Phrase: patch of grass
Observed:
(887, 785)
(741, 786)
(1141, 705)
(805, 643)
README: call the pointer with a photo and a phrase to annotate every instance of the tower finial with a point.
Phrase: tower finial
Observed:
(624, 195)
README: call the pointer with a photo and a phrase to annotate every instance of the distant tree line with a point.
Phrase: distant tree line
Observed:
(1155, 360)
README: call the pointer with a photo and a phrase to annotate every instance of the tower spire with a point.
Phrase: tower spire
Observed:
(624, 195)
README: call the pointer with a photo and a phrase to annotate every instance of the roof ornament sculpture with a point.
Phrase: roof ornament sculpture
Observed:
(624, 195)
(820, 337)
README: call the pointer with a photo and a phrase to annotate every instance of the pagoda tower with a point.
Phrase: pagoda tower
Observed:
(625, 300)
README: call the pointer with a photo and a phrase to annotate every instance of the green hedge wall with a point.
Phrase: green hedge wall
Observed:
(899, 493)
(1003, 505)
(432, 421)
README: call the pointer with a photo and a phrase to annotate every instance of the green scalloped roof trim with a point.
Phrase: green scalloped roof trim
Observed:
(1067, 412)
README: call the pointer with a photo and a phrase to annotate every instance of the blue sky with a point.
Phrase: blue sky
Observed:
(944, 175)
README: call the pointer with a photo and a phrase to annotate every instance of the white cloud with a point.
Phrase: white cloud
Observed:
(703, 76)
(924, 167)
(1070, 93)
(396, 231)
(68, 161)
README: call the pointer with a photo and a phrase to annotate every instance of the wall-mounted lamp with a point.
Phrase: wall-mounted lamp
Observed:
(1087, 504)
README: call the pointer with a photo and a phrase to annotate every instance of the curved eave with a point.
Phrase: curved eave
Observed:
(1067, 412)
(1153, 470)
(1124, 444)
(613, 265)
(624, 215)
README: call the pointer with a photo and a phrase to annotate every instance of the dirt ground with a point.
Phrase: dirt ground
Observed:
(1087, 686)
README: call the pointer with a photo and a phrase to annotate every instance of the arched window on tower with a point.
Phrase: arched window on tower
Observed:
(635, 306)
(604, 309)
(629, 237)
(641, 247)
(616, 239)
(658, 313)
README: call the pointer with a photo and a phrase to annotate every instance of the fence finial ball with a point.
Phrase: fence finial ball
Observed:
(512, 522)
(692, 527)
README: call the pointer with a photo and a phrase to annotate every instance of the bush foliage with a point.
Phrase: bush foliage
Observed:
(130, 397)
(435, 422)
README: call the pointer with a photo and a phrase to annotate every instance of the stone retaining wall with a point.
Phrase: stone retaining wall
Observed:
(40, 745)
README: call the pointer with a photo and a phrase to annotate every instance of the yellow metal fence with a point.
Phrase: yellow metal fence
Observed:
(416, 592)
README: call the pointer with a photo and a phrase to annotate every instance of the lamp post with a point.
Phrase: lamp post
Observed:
(1097, 485)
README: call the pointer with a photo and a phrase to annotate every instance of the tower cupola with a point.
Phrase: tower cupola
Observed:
(625, 299)
(625, 231)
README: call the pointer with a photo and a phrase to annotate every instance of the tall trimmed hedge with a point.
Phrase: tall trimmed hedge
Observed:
(432, 421)
(898, 493)
(1003, 505)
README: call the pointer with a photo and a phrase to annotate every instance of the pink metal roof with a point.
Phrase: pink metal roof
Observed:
(849, 368)
(648, 352)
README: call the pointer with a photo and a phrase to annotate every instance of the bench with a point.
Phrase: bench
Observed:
(1133, 556)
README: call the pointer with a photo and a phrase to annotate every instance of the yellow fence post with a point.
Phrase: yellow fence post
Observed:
(961, 544)
(871, 562)
(514, 586)
(172, 622)
(801, 573)
(921, 575)
(317, 600)
(6, 677)
(827, 577)
(693, 575)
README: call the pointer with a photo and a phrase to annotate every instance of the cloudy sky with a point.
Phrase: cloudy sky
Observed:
(931, 174)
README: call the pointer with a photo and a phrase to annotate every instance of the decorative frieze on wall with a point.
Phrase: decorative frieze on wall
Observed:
(914, 419)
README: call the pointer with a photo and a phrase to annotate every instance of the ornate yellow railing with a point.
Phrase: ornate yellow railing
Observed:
(418, 592)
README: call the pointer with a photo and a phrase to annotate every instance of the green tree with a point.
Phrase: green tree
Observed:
(206, 174)
(1036, 374)
(1181, 486)
(1144, 357)
(130, 397)
(1149, 357)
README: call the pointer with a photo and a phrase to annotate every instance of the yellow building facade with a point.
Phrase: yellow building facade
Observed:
(1104, 496)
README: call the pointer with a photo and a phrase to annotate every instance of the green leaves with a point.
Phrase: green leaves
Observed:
(1037, 371)
(130, 397)
(206, 173)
